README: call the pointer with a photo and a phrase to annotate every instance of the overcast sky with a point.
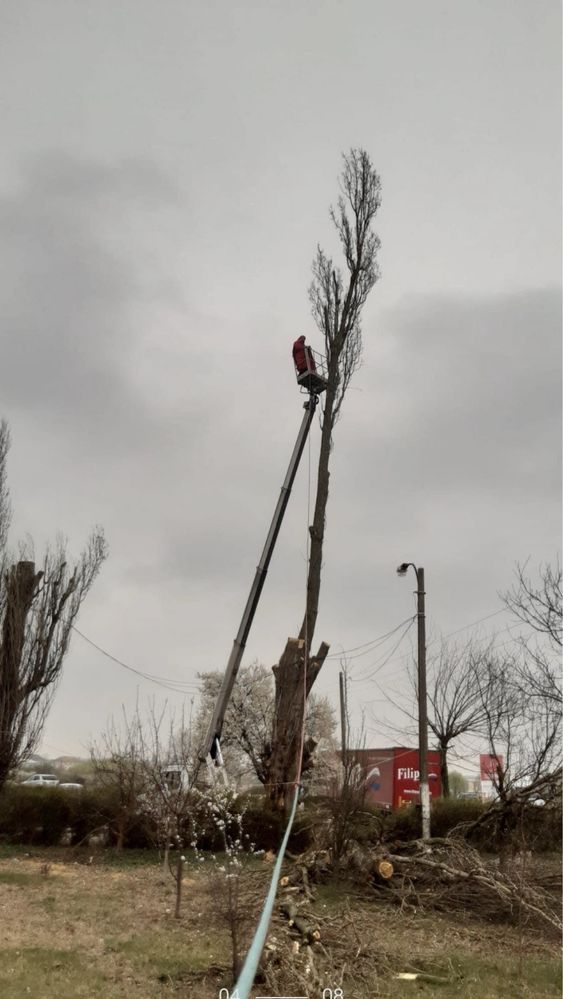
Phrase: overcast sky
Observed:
(168, 172)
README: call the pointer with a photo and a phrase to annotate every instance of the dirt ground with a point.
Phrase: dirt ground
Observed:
(70, 928)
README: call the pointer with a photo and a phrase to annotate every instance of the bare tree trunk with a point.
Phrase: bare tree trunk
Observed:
(179, 876)
(120, 833)
(444, 773)
(20, 586)
(288, 718)
(317, 529)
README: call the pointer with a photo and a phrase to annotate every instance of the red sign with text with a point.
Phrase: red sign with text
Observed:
(392, 776)
(407, 776)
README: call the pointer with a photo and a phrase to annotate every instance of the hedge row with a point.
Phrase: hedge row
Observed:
(46, 816)
(43, 816)
(534, 828)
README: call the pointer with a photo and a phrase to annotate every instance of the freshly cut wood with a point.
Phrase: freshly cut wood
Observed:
(382, 870)
(309, 933)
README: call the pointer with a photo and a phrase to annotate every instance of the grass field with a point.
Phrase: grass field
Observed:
(69, 928)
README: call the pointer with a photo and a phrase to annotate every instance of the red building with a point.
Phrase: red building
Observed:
(392, 775)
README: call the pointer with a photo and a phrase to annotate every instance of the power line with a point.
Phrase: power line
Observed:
(381, 663)
(178, 686)
(502, 610)
(449, 635)
(372, 643)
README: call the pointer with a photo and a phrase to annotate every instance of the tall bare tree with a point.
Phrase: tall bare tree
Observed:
(538, 605)
(37, 612)
(337, 301)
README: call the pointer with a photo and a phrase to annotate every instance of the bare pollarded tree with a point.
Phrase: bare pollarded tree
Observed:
(37, 612)
(337, 300)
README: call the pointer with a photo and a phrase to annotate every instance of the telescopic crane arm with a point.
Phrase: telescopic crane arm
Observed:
(211, 746)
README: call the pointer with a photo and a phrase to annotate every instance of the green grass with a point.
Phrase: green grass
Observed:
(22, 878)
(114, 935)
(43, 973)
(172, 957)
(475, 977)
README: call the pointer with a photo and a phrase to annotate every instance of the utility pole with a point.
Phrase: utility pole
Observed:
(422, 697)
(422, 707)
(343, 718)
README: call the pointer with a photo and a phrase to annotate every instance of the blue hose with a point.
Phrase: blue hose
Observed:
(248, 972)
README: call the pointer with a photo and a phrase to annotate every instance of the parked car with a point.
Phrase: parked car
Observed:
(42, 780)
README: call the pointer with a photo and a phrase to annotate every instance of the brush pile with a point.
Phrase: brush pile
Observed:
(449, 875)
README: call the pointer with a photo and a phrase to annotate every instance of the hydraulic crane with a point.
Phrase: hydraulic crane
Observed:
(313, 382)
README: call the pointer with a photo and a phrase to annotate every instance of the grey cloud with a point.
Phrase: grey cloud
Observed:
(473, 388)
(68, 337)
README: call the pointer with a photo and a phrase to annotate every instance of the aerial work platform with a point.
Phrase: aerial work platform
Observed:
(312, 377)
(315, 378)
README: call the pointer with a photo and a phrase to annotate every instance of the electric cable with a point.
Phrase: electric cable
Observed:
(434, 641)
(368, 646)
(178, 686)
(381, 663)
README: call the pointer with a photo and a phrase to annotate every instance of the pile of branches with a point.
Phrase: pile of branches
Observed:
(450, 875)
(307, 948)
(306, 953)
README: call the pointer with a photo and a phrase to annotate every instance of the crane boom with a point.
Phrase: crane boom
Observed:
(211, 745)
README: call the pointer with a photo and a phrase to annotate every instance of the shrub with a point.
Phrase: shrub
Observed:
(534, 828)
(34, 814)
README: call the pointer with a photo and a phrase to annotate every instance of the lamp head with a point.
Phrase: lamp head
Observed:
(402, 569)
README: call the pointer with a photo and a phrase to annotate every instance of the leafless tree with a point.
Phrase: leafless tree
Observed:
(337, 302)
(37, 612)
(523, 739)
(455, 705)
(170, 770)
(118, 766)
(454, 700)
(538, 605)
(347, 792)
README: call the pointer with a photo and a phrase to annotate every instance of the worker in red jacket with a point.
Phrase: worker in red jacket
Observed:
(302, 357)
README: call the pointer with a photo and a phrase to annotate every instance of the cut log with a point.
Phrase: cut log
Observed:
(309, 933)
(382, 870)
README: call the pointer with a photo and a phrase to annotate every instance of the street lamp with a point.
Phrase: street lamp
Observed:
(422, 706)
